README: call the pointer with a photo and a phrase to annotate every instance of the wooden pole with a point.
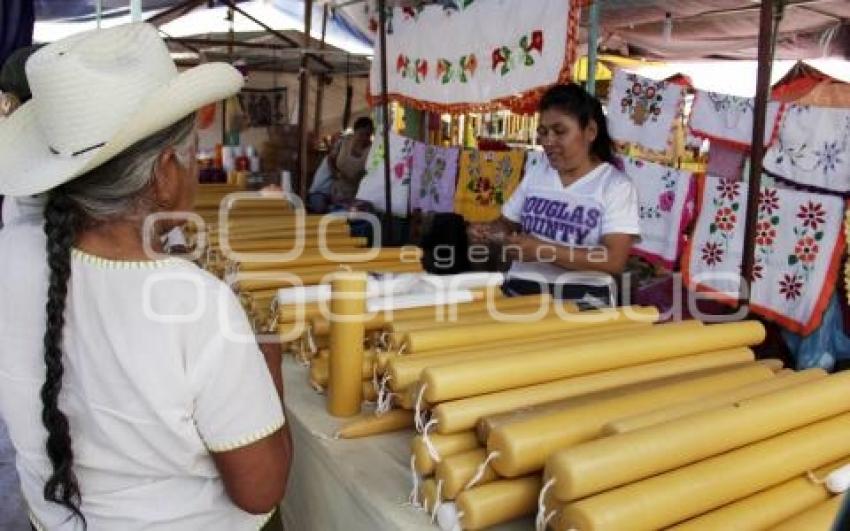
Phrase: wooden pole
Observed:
(320, 81)
(592, 38)
(389, 237)
(303, 102)
(769, 12)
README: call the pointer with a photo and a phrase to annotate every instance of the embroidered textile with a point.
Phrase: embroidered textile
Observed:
(432, 179)
(643, 111)
(486, 180)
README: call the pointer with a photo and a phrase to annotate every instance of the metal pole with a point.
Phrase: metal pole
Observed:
(769, 12)
(320, 79)
(98, 11)
(592, 39)
(135, 11)
(303, 102)
(385, 107)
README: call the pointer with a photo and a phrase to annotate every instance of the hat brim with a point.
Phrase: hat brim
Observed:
(30, 167)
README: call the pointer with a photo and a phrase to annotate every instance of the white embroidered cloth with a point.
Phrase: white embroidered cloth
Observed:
(813, 148)
(666, 198)
(373, 186)
(473, 54)
(797, 254)
(644, 111)
(729, 119)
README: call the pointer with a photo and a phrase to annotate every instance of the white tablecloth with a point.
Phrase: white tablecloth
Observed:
(347, 485)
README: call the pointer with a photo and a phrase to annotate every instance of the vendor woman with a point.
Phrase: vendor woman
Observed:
(134, 391)
(572, 221)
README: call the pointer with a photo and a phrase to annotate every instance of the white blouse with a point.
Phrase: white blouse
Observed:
(161, 368)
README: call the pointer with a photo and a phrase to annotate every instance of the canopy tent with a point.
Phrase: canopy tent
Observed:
(725, 29)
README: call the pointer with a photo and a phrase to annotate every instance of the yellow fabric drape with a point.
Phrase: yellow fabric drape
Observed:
(486, 180)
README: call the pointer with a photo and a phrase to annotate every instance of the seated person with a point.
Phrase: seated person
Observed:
(570, 224)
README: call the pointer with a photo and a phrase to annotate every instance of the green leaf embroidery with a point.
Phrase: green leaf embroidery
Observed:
(792, 260)
(818, 236)
(529, 61)
(523, 42)
(774, 220)
(712, 228)
(735, 206)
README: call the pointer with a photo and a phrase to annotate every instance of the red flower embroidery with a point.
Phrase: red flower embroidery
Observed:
(422, 68)
(636, 88)
(712, 253)
(498, 58)
(725, 219)
(768, 201)
(813, 215)
(650, 92)
(807, 250)
(757, 274)
(471, 64)
(791, 286)
(400, 169)
(729, 189)
(765, 234)
(536, 41)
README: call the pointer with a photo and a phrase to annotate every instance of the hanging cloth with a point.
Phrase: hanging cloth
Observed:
(486, 181)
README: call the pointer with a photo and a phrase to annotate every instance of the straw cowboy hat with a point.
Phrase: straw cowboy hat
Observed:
(95, 94)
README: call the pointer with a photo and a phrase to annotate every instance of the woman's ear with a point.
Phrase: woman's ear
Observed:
(166, 180)
(591, 131)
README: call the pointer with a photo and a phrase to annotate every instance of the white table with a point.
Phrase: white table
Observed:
(347, 485)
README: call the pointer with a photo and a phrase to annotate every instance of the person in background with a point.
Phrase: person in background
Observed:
(347, 160)
(570, 224)
(134, 390)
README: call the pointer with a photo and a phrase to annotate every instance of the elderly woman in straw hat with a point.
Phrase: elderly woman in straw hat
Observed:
(134, 391)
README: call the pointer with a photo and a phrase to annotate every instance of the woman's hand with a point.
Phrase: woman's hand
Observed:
(522, 247)
(479, 232)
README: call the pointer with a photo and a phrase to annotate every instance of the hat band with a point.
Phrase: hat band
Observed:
(76, 153)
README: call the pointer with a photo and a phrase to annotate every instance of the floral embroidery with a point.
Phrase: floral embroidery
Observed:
(732, 107)
(791, 287)
(729, 189)
(506, 57)
(712, 253)
(667, 200)
(807, 250)
(768, 201)
(765, 234)
(434, 168)
(813, 215)
(643, 100)
(725, 220)
(829, 157)
(758, 272)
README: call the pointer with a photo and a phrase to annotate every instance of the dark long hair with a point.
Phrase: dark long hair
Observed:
(111, 191)
(574, 101)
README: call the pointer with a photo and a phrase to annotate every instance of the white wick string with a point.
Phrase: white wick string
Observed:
(383, 340)
(479, 472)
(401, 349)
(426, 439)
(385, 397)
(413, 499)
(438, 500)
(814, 479)
(311, 341)
(541, 522)
(418, 413)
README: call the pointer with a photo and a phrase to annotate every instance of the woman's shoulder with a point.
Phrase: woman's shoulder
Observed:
(614, 179)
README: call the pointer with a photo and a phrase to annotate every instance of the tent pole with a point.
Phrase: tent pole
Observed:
(770, 12)
(303, 102)
(385, 104)
(320, 83)
(135, 11)
(592, 38)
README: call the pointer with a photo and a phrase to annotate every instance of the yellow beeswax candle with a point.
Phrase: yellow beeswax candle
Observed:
(436, 338)
(457, 470)
(444, 445)
(656, 343)
(345, 378)
(767, 508)
(498, 502)
(461, 415)
(782, 381)
(524, 446)
(612, 461)
(393, 420)
(821, 517)
(675, 496)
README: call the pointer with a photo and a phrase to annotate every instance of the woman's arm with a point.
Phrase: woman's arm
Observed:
(608, 257)
(486, 232)
(255, 476)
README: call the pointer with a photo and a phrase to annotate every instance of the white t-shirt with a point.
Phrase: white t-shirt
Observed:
(604, 201)
(161, 368)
